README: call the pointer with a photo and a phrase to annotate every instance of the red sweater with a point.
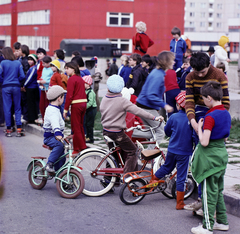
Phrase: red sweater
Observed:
(170, 80)
(75, 92)
(39, 70)
(56, 80)
(143, 41)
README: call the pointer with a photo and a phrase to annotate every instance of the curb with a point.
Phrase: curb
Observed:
(232, 203)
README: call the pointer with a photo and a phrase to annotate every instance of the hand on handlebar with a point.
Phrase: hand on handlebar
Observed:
(159, 118)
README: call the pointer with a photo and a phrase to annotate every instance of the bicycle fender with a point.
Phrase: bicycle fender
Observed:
(98, 150)
(36, 160)
(65, 168)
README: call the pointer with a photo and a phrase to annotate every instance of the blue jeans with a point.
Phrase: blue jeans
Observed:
(2, 119)
(57, 151)
(182, 169)
(170, 99)
(12, 94)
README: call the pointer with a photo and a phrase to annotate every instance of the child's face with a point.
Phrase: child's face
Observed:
(60, 100)
(18, 53)
(176, 36)
(144, 64)
(207, 101)
(40, 55)
(172, 62)
(54, 69)
(87, 86)
(55, 56)
(31, 62)
(69, 71)
(46, 65)
(132, 63)
(186, 65)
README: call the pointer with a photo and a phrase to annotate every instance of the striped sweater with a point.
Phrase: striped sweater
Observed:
(193, 85)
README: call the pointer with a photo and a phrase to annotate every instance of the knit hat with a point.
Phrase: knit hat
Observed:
(87, 79)
(33, 57)
(56, 64)
(223, 40)
(115, 84)
(180, 99)
(126, 93)
(54, 92)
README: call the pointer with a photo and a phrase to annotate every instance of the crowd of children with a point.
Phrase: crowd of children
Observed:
(183, 84)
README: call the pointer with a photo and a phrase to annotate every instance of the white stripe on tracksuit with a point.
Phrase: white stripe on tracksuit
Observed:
(206, 214)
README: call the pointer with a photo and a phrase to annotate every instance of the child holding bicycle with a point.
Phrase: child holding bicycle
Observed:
(180, 148)
(211, 157)
(113, 109)
(53, 127)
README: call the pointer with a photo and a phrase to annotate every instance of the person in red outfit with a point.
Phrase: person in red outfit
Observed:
(141, 40)
(76, 97)
(56, 77)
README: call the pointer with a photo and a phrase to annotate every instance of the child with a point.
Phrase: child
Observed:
(221, 66)
(32, 89)
(178, 47)
(53, 127)
(56, 77)
(44, 81)
(41, 53)
(211, 157)
(17, 50)
(179, 149)
(188, 53)
(60, 56)
(113, 109)
(91, 109)
(183, 72)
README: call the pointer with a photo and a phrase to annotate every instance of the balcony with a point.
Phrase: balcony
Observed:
(210, 19)
(210, 28)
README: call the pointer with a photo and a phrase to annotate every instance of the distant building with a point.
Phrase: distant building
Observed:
(45, 23)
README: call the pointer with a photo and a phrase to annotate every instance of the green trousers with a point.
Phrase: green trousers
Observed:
(212, 200)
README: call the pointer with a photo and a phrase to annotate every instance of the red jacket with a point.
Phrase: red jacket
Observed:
(142, 42)
(56, 80)
(39, 70)
(170, 80)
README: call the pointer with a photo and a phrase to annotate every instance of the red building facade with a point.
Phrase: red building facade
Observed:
(44, 23)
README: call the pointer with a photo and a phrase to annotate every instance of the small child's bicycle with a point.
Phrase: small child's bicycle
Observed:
(69, 180)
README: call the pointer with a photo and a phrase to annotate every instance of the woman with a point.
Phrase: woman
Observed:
(11, 74)
(125, 70)
(76, 97)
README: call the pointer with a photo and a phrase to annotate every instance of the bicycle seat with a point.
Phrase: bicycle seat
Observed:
(47, 147)
(150, 154)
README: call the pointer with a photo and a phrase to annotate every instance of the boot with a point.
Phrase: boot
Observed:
(180, 200)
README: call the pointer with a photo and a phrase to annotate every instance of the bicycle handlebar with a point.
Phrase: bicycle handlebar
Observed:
(139, 127)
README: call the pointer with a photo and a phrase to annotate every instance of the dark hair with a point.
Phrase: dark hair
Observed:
(221, 65)
(47, 59)
(41, 50)
(164, 59)
(146, 58)
(186, 60)
(212, 89)
(30, 58)
(189, 51)
(76, 53)
(25, 49)
(78, 60)
(199, 61)
(176, 30)
(74, 66)
(61, 95)
(17, 45)
(8, 53)
(60, 54)
(136, 57)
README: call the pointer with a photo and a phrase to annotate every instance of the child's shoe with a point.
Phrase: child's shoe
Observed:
(220, 226)
(49, 168)
(20, 132)
(200, 230)
(194, 206)
(8, 133)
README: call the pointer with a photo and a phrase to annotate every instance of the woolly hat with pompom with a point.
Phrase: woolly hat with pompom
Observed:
(115, 84)
(126, 93)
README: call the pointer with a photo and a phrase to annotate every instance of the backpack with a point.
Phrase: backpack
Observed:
(64, 81)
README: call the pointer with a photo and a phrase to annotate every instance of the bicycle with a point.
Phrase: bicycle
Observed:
(102, 171)
(68, 178)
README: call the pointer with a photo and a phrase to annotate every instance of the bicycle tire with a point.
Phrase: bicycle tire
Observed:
(35, 181)
(127, 197)
(190, 186)
(99, 185)
(168, 191)
(72, 190)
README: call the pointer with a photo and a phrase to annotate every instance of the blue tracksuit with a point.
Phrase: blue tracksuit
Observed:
(178, 48)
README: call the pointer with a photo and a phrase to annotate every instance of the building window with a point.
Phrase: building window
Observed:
(191, 24)
(35, 42)
(124, 44)
(219, 15)
(210, 24)
(238, 6)
(34, 17)
(202, 24)
(5, 19)
(210, 15)
(192, 14)
(5, 2)
(192, 4)
(203, 5)
(202, 14)
(6, 40)
(219, 25)
(235, 47)
(23, 0)
(238, 15)
(210, 5)
(119, 19)
(219, 6)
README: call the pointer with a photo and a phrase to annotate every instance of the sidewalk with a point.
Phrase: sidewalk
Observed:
(232, 176)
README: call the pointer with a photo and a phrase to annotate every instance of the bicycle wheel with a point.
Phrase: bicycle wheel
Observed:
(37, 181)
(190, 186)
(168, 191)
(75, 187)
(95, 185)
(127, 196)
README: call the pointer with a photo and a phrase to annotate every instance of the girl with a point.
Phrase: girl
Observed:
(76, 97)
(11, 74)
(125, 70)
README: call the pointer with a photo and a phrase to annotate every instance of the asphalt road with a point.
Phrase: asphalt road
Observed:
(25, 210)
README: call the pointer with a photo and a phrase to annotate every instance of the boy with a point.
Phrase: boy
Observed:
(221, 67)
(179, 149)
(211, 157)
(178, 47)
(17, 50)
(183, 72)
(138, 76)
(41, 53)
(113, 109)
(91, 109)
(53, 127)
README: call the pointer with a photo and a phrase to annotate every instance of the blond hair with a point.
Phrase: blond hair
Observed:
(124, 58)
(141, 26)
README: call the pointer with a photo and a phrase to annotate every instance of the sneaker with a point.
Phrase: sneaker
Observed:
(200, 230)
(20, 132)
(8, 133)
(194, 206)
(199, 212)
(89, 141)
(49, 168)
(220, 226)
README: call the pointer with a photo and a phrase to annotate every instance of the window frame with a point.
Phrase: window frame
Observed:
(120, 41)
(119, 16)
